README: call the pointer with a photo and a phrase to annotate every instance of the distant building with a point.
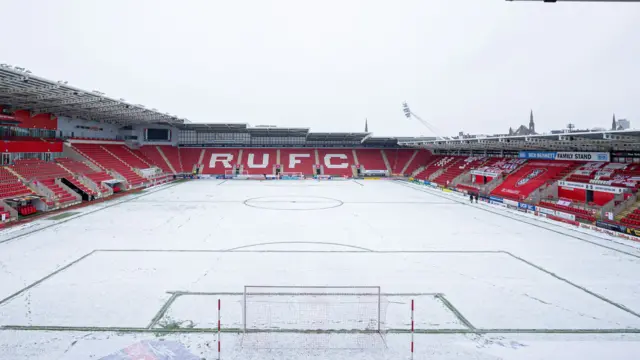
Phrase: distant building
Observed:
(523, 130)
(623, 124)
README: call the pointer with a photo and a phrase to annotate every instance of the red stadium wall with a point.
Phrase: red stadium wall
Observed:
(601, 198)
(30, 146)
(578, 195)
(40, 121)
(480, 179)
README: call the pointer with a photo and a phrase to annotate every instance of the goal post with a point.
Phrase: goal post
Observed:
(314, 309)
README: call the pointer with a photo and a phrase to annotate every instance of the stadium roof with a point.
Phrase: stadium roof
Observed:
(22, 90)
(217, 127)
(274, 131)
(25, 91)
(381, 141)
(278, 131)
(618, 140)
(344, 137)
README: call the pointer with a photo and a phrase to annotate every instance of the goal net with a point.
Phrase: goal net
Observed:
(314, 316)
(232, 173)
(292, 175)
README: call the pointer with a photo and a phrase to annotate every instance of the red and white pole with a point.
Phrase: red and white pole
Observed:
(218, 329)
(412, 329)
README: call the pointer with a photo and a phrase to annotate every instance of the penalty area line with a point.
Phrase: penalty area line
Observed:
(163, 310)
(455, 311)
(203, 293)
(299, 331)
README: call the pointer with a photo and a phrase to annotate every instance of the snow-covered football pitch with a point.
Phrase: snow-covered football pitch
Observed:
(487, 282)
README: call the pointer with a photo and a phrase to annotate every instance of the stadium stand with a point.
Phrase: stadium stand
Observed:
(191, 157)
(579, 213)
(340, 162)
(506, 165)
(585, 173)
(80, 168)
(371, 159)
(306, 158)
(60, 194)
(11, 186)
(137, 153)
(127, 155)
(108, 161)
(45, 174)
(36, 169)
(632, 218)
(612, 174)
(172, 153)
(99, 177)
(216, 161)
(534, 174)
(75, 167)
(154, 157)
(436, 163)
(258, 161)
(81, 186)
(398, 159)
(422, 158)
(621, 175)
(487, 173)
(458, 167)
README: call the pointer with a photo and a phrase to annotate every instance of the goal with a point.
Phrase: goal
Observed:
(232, 173)
(314, 309)
(291, 175)
(324, 177)
(316, 316)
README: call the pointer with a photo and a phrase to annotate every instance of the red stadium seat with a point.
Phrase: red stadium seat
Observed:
(115, 158)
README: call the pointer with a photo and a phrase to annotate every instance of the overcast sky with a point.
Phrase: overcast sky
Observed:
(472, 65)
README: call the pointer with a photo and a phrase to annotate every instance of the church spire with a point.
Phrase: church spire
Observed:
(532, 125)
(614, 126)
(366, 126)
